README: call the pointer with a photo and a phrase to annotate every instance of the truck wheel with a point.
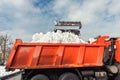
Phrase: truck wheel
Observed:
(68, 76)
(39, 77)
(117, 77)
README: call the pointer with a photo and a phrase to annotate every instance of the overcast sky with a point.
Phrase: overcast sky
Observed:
(23, 18)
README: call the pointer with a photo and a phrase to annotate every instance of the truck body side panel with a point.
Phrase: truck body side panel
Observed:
(117, 51)
(55, 55)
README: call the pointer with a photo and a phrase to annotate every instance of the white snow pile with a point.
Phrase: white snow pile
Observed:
(57, 37)
(4, 73)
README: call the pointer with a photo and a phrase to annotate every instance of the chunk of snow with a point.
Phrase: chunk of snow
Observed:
(57, 37)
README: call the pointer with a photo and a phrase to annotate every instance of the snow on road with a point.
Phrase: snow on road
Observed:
(3, 71)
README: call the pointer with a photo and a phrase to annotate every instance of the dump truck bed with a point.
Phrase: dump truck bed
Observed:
(29, 55)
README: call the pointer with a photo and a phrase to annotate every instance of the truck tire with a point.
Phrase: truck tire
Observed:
(117, 77)
(40, 77)
(69, 76)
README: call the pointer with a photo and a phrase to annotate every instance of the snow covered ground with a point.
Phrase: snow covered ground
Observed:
(3, 72)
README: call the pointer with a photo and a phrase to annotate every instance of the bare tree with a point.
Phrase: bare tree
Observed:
(5, 43)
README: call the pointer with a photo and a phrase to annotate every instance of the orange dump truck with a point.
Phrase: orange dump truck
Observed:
(59, 61)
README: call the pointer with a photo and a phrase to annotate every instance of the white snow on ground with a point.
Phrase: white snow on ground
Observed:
(3, 72)
(57, 37)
